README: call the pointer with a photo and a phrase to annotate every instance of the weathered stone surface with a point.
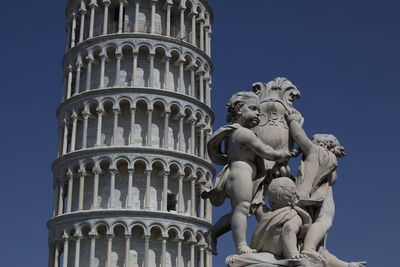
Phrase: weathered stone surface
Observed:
(268, 260)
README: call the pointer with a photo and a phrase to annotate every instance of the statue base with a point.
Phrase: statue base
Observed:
(269, 260)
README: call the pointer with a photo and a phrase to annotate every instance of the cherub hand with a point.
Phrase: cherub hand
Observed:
(293, 115)
(295, 153)
(283, 156)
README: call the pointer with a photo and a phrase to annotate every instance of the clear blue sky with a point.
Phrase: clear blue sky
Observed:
(343, 56)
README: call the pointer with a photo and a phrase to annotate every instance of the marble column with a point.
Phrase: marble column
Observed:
(68, 41)
(206, 42)
(109, 249)
(118, 57)
(136, 26)
(73, 30)
(96, 174)
(165, 191)
(201, 34)
(201, 127)
(69, 81)
(164, 252)
(146, 250)
(151, 70)
(57, 255)
(121, 16)
(70, 187)
(201, 86)
(201, 262)
(167, 67)
(168, 23)
(180, 194)
(166, 129)
(61, 198)
(78, 76)
(116, 112)
(153, 15)
(90, 60)
(82, 12)
(193, 196)
(193, 80)
(103, 58)
(181, 76)
(113, 172)
(201, 203)
(93, 5)
(192, 254)
(65, 138)
(148, 184)
(106, 4)
(181, 137)
(85, 116)
(193, 28)
(92, 255)
(149, 124)
(74, 119)
(82, 174)
(134, 69)
(100, 112)
(65, 253)
(179, 256)
(192, 136)
(132, 133)
(207, 89)
(209, 41)
(129, 197)
(182, 23)
(78, 238)
(127, 250)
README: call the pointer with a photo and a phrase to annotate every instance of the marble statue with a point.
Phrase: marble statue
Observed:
(243, 150)
(255, 150)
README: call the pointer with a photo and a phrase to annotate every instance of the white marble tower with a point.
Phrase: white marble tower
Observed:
(133, 125)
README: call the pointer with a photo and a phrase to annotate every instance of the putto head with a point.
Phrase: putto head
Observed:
(281, 193)
(236, 103)
(330, 142)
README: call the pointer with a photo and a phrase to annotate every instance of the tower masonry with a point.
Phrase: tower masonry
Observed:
(134, 122)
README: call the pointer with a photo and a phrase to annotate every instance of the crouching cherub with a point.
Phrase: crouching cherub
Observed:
(239, 149)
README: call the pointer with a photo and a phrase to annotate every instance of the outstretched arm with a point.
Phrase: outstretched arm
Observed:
(250, 140)
(296, 130)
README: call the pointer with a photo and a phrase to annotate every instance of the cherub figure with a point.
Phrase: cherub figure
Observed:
(317, 175)
(242, 150)
(279, 227)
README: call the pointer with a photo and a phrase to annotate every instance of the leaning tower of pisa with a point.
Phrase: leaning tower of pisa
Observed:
(134, 121)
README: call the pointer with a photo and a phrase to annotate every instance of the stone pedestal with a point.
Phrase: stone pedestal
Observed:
(268, 260)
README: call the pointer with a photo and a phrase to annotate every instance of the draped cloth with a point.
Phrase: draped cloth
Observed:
(272, 220)
(326, 164)
(219, 156)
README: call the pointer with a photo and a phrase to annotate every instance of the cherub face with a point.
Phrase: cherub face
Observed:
(249, 113)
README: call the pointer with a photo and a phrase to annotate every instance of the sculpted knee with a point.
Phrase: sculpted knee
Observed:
(244, 206)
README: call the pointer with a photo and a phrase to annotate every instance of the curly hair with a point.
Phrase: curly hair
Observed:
(236, 102)
(329, 142)
(281, 192)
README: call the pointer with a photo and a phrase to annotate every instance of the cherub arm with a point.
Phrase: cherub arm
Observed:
(298, 134)
(250, 140)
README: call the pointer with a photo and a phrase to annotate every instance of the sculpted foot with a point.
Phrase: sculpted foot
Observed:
(314, 255)
(211, 242)
(299, 256)
(358, 264)
(246, 249)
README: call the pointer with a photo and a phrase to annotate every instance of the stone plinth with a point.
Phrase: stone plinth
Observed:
(268, 260)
